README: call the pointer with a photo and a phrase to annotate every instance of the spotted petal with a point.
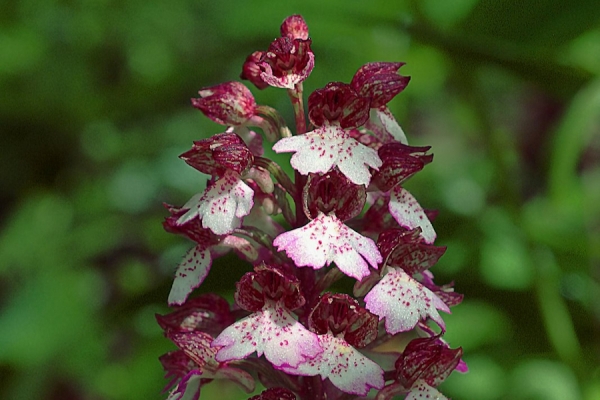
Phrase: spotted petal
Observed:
(407, 212)
(190, 274)
(422, 391)
(346, 368)
(223, 204)
(273, 332)
(326, 146)
(384, 126)
(403, 302)
(325, 240)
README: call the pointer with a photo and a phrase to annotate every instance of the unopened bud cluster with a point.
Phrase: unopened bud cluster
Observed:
(345, 212)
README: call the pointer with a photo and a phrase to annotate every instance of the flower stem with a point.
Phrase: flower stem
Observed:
(298, 104)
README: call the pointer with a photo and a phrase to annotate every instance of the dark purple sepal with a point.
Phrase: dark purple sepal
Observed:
(268, 283)
(275, 394)
(189, 386)
(338, 103)
(209, 313)
(219, 153)
(428, 359)
(338, 313)
(407, 250)
(378, 217)
(196, 345)
(229, 103)
(400, 162)
(252, 69)
(379, 81)
(333, 193)
(176, 365)
(294, 27)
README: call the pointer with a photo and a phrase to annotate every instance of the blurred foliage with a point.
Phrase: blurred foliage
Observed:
(94, 109)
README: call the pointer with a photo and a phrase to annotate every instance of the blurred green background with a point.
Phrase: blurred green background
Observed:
(94, 109)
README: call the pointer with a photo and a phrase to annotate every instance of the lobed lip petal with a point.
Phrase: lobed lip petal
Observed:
(223, 204)
(403, 302)
(190, 274)
(421, 390)
(407, 212)
(330, 241)
(273, 332)
(319, 150)
(346, 368)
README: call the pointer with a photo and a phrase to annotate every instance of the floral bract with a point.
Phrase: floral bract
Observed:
(344, 214)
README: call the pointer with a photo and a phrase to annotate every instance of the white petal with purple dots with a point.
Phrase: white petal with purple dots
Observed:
(346, 368)
(223, 204)
(326, 239)
(328, 146)
(422, 390)
(190, 273)
(273, 332)
(403, 302)
(407, 212)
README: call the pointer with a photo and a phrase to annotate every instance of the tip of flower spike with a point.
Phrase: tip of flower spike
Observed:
(287, 62)
(294, 27)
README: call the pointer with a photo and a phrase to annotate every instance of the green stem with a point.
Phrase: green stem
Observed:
(297, 100)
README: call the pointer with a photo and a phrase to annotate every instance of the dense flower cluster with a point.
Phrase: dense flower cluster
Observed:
(345, 213)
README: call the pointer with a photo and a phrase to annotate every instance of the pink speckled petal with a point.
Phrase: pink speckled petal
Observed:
(326, 146)
(384, 127)
(346, 368)
(273, 332)
(223, 204)
(403, 301)
(190, 274)
(422, 391)
(407, 212)
(329, 240)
